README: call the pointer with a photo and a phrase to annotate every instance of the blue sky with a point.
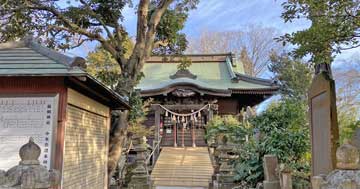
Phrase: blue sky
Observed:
(225, 15)
(222, 15)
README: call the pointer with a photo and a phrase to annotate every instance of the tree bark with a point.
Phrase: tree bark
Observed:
(117, 139)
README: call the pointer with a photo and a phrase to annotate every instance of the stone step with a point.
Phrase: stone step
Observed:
(168, 183)
(182, 172)
(183, 167)
(180, 176)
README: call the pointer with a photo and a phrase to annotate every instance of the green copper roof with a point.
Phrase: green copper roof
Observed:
(28, 58)
(221, 75)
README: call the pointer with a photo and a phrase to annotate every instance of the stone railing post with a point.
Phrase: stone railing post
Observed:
(347, 174)
(140, 178)
(29, 174)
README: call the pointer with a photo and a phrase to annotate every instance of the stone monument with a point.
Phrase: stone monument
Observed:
(29, 174)
(270, 164)
(323, 121)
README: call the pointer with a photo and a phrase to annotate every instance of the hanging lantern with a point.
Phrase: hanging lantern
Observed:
(192, 117)
(166, 114)
(199, 115)
(178, 119)
(173, 118)
(183, 119)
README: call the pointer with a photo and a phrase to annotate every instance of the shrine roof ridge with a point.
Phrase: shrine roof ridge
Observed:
(195, 58)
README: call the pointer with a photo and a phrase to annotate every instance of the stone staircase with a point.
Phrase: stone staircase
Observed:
(182, 168)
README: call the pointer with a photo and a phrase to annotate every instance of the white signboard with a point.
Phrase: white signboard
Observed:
(24, 117)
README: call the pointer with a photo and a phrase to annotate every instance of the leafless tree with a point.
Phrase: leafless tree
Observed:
(347, 80)
(252, 45)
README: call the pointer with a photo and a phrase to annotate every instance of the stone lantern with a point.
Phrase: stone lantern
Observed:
(140, 178)
(225, 176)
(29, 174)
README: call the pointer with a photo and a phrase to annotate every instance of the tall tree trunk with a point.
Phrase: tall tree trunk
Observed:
(117, 139)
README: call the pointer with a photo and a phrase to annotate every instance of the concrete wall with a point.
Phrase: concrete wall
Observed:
(86, 143)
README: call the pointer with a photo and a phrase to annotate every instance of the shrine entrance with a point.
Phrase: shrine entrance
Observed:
(181, 125)
(181, 134)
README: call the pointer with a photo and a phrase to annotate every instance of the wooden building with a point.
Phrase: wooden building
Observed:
(185, 99)
(48, 96)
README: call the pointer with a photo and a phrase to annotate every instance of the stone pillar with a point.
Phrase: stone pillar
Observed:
(29, 174)
(323, 121)
(141, 177)
(270, 164)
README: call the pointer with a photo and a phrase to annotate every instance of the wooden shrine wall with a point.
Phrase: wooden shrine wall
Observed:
(228, 106)
(86, 143)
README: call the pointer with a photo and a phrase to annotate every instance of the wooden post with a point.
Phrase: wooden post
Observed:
(183, 135)
(193, 134)
(323, 121)
(175, 133)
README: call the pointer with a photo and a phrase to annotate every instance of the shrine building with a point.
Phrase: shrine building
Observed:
(185, 99)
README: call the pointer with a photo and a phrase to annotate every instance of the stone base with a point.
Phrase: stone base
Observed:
(225, 178)
(272, 185)
(140, 182)
(226, 185)
(139, 186)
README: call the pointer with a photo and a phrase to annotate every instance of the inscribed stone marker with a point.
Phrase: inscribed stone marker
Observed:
(355, 141)
(270, 164)
(323, 121)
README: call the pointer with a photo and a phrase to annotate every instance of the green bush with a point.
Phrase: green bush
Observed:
(284, 132)
(227, 126)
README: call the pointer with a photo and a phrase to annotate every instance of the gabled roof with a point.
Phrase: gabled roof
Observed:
(28, 58)
(216, 74)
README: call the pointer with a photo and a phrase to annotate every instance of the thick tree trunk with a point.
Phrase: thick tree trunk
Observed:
(118, 137)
